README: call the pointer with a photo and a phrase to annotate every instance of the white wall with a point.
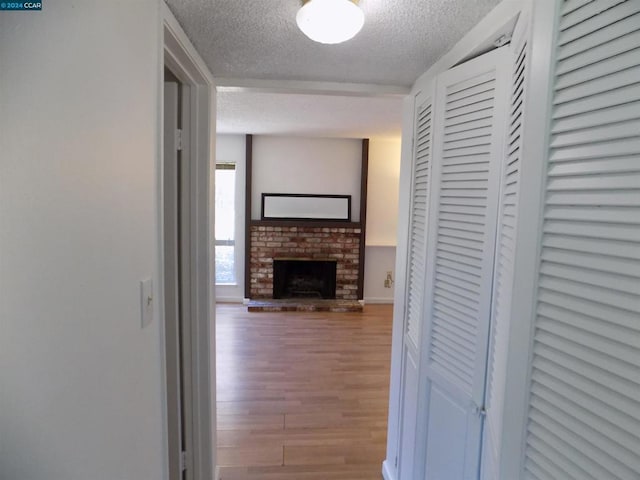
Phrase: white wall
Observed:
(306, 165)
(378, 261)
(382, 191)
(382, 218)
(232, 149)
(81, 382)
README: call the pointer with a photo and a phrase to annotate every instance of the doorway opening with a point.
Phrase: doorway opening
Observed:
(176, 284)
(303, 381)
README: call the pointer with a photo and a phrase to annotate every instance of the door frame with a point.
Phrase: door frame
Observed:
(178, 54)
(174, 314)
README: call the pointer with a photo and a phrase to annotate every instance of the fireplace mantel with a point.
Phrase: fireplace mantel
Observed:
(304, 223)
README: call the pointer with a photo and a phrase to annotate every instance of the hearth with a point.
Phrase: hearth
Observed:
(301, 278)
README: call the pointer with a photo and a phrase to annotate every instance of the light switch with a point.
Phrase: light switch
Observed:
(146, 301)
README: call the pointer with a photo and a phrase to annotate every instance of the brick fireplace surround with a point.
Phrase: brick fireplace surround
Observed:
(304, 242)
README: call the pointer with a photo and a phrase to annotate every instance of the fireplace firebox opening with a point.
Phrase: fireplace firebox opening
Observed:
(299, 278)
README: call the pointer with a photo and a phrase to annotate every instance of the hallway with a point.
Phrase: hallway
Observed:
(302, 395)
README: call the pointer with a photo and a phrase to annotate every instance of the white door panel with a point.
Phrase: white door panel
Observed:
(505, 255)
(408, 415)
(583, 417)
(449, 427)
(467, 151)
(417, 248)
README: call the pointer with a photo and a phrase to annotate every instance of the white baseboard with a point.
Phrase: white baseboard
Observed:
(366, 301)
(379, 300)
(387, 472)
(228, 299)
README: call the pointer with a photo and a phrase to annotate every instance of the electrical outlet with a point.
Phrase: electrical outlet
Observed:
(389, 280)
(146, 301)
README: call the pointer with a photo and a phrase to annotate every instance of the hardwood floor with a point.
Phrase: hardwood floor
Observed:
(302, 395)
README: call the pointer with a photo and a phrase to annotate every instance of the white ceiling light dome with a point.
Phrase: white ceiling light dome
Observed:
(330, 21)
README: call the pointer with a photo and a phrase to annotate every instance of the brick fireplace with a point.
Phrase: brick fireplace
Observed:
(305, 243)
(320, 234)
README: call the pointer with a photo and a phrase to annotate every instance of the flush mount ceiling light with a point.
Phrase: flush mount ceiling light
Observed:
(330, 21)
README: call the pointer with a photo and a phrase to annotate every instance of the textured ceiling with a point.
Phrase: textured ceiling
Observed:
(259, 39)
(308, 115)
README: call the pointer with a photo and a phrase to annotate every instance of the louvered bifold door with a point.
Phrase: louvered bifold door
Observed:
(584, 410)
(505, 258)
(418, 223)
(414, 315)
(468, 145)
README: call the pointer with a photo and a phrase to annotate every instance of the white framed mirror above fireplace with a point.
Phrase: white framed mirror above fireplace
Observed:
(299, 206)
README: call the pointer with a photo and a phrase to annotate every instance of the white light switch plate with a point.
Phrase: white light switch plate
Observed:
(146, 301)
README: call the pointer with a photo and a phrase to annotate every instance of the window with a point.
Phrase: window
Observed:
(225, 224)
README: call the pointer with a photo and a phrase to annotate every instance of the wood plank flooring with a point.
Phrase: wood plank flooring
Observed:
(302, 395)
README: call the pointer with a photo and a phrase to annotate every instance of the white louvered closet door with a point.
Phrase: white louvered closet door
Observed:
(584, 411)
(468, 145)
(415, 279)
(501, 313)
(418, 223)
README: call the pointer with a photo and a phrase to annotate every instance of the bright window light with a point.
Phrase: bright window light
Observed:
(225, 221)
